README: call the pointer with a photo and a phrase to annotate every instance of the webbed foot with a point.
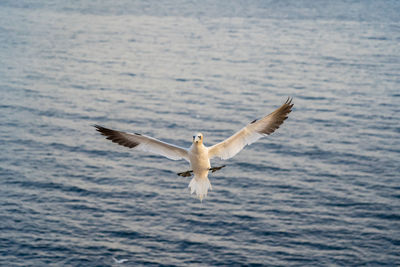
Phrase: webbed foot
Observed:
(185, 174)
(214, 169)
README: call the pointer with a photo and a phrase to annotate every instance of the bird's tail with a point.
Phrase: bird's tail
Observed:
(200, 185)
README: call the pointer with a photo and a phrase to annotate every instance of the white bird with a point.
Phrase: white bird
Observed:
(199, 155)
(119, 261)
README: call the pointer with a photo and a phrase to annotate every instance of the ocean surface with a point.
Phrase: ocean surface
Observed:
(323, 190)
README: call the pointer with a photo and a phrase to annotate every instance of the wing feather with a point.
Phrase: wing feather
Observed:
(144, 143)
(251, 133)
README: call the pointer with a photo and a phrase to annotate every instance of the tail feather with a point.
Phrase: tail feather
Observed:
(200, 185)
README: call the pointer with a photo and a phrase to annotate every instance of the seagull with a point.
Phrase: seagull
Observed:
(119, 261)
(199, 155)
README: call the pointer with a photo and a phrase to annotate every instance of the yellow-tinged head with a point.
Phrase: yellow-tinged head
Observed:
(198, 138)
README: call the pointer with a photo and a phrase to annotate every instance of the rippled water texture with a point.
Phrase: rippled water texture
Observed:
(323, 190)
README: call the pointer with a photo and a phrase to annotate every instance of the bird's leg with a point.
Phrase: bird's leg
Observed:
(185, 174)
(189, 173)
(214, 169)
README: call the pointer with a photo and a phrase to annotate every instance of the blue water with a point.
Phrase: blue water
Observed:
(323, 190)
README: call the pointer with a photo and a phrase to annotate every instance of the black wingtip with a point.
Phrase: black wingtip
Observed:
(100, 128)
(103, 130)
(116, 136)
(288, 103)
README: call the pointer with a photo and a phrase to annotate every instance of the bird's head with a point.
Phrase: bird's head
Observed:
(198, 138)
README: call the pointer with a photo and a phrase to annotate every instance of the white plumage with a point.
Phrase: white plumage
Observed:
(199, 155)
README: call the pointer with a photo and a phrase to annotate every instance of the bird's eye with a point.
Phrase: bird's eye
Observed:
(199, 137)
(194, 137)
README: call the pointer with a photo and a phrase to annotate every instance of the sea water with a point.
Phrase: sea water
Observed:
(322, 190)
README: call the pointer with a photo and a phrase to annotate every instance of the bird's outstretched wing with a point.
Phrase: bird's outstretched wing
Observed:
(144, 143)
(251, 133)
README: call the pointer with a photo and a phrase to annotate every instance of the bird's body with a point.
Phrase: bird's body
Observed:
(199, 159)
(198, 154)
(200, 164)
